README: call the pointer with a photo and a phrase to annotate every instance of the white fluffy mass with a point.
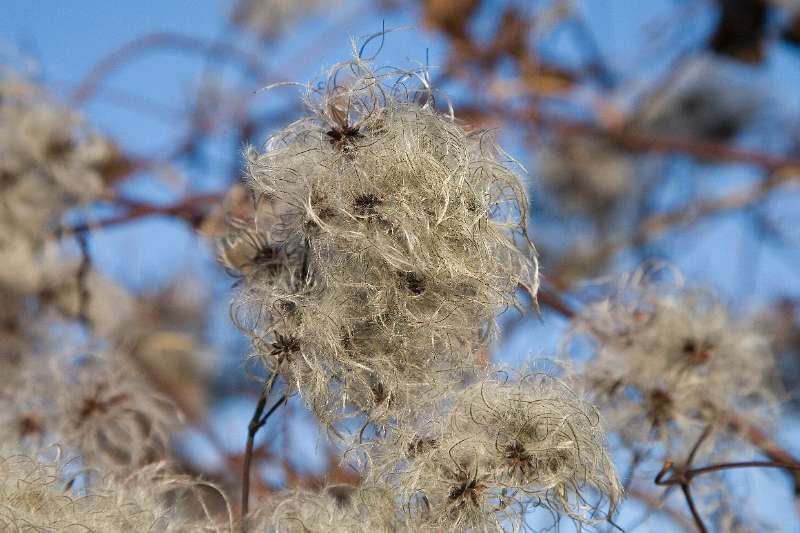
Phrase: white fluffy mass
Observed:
(394, 238)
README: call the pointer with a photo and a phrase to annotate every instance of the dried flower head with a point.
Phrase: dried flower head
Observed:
(710, 100)
(589, 175)
(405, 236)
(668, 360)
(337, 509)
(270, 18)
(38, 495)
(49, 162)
(111, 417)
(503, 448)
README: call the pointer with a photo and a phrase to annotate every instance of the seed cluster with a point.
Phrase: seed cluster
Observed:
(668, 361)
(402, 235)
(501, 447)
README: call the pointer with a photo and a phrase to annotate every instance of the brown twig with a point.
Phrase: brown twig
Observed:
(663, 144)
(256, 423)
(553, 300)
(188, 209)
(82, 278)
(657, 504)
(660, 223)
(683, 475)
(767, 446)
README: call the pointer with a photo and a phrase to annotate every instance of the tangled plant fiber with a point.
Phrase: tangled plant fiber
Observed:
(504, 447)
(337, 509)
(36, 495)
(402, 235)
(668, 361)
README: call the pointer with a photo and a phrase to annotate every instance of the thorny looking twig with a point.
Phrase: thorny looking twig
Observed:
(683, 475)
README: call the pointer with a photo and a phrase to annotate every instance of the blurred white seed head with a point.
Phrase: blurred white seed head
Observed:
(336, 509)
(270, 18)
(49, 162)
(668, 360)
(401, 236)
(503, 446)
(710, 100)
(108, 414)
(40, 495)
(590, 175)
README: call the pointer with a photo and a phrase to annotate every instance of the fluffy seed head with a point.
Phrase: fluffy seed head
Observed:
(504, 447)
(49, 162)
(38, 495)
(589, 175)
(405, 234)
(108, 414)
(668, 360)
(337, 509)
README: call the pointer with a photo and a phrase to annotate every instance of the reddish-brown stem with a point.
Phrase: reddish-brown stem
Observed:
(657, 224)
(767, 446)
(698, 520)
(683, 477)
(82, 277)
(662, 144)
(654, 502)
(189, 208)
(553, 300)
(686, 476)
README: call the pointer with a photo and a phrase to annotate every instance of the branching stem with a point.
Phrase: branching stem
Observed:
(256, 423)
(670, 475)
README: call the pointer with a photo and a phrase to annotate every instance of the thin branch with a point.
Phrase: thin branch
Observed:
(160, 40)
(741, 464)
(643, 142)
(698, 520)
(767, 446)
(553, 300)
(82, 278)
(660, 223)
(684, 475)
(256, 423)
(188, 209)
(597, 65)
